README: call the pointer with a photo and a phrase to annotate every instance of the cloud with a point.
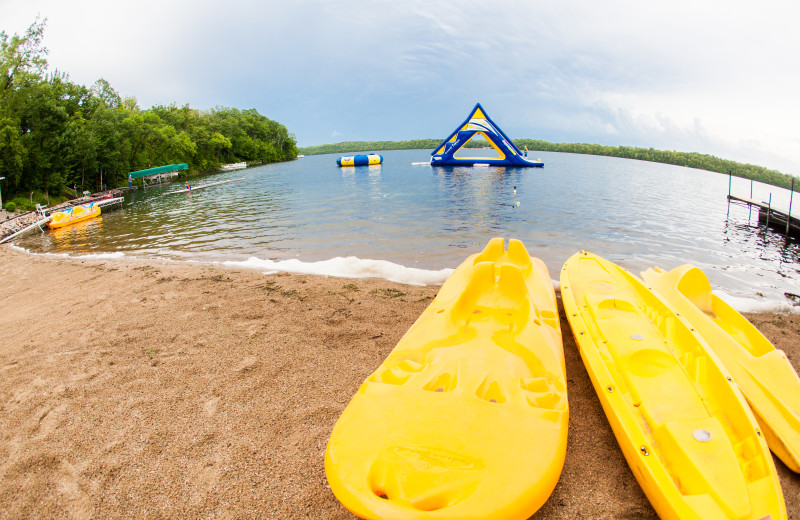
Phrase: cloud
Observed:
(713, 77)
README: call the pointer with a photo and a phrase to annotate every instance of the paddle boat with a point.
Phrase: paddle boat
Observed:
(73, 215)
(233, 166)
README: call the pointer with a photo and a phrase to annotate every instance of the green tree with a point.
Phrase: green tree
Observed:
(112, 148)
(54, 132)
(81, 151)
(12, 153)
(104, 93)
(22, 58)
(43, 117)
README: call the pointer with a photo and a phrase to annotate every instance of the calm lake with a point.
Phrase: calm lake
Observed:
(412, 223)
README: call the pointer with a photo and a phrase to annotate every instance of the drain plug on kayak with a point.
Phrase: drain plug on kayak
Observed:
(701, 435)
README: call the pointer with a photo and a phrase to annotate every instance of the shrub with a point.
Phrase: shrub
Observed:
(11, 207)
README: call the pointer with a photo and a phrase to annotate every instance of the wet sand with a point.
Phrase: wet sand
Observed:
(137, 389)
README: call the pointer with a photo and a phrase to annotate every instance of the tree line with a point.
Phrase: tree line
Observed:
(370, 146)
(688, 159)
(55, 133)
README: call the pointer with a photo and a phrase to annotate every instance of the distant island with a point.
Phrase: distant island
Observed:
(688, 159)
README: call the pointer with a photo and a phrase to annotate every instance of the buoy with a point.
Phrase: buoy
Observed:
(360, 160)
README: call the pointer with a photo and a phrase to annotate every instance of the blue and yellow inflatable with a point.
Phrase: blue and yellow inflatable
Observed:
(360, 160)
(479, 122)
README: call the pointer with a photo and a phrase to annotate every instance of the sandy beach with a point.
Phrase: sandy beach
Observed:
(140, 389)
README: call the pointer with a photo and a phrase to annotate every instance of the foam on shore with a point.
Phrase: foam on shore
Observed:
(88, 256)
(353, 267)
(757, 306)
(349, 267)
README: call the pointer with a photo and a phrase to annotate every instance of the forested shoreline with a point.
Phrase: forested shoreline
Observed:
(688, 159)
(55, 133)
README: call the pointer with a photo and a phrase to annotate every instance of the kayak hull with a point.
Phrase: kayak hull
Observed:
(683, 426)
(467, 417)
(764, 374)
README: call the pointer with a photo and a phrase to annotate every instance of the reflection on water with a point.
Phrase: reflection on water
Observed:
(634, 213)
(81, 235)
(774, 250)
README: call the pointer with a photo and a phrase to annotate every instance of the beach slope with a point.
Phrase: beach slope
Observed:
(142, 389)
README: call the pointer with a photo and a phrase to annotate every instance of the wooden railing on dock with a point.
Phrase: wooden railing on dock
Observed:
(27, 222)
(779, 220)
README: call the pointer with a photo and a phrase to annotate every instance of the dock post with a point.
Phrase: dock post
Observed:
(750, 206)
(730, 176)
(789, 216)
(727, 215)
(769, 209)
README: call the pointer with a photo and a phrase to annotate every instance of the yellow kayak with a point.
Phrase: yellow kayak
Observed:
(73, 215)
(682, 424)
(467, 417)
(764, 375)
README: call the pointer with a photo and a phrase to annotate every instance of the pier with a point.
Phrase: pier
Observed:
(783, 222)
(35, 220)
(195, 188)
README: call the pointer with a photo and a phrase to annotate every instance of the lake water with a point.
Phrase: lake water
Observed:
(413, 223)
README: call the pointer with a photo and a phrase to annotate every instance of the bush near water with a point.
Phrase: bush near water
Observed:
(55, 133)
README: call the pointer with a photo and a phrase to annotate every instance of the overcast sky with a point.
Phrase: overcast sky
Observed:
(717, 77)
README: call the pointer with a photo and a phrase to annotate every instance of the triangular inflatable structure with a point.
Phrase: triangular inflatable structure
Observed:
(480, 123)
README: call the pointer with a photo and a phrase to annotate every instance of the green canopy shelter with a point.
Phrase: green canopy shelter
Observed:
(159, 170)
(158, 174)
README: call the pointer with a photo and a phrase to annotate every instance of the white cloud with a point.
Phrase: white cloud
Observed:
(714, 77)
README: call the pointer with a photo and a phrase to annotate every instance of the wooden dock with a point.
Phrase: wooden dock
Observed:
(109, 202)
(45, 214)
(31, 227)
(195, 188)
(781, 221)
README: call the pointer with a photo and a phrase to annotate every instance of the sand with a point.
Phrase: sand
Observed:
(137, 389)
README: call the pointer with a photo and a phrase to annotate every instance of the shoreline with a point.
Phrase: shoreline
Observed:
(353, 267)
(134, 388)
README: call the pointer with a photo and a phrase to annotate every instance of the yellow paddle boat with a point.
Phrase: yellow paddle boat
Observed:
(763, 373)
(467, 417)
(682, 424)
(72, 215)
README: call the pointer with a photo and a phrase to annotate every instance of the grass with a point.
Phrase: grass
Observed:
(36, 197)
(388, 293)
